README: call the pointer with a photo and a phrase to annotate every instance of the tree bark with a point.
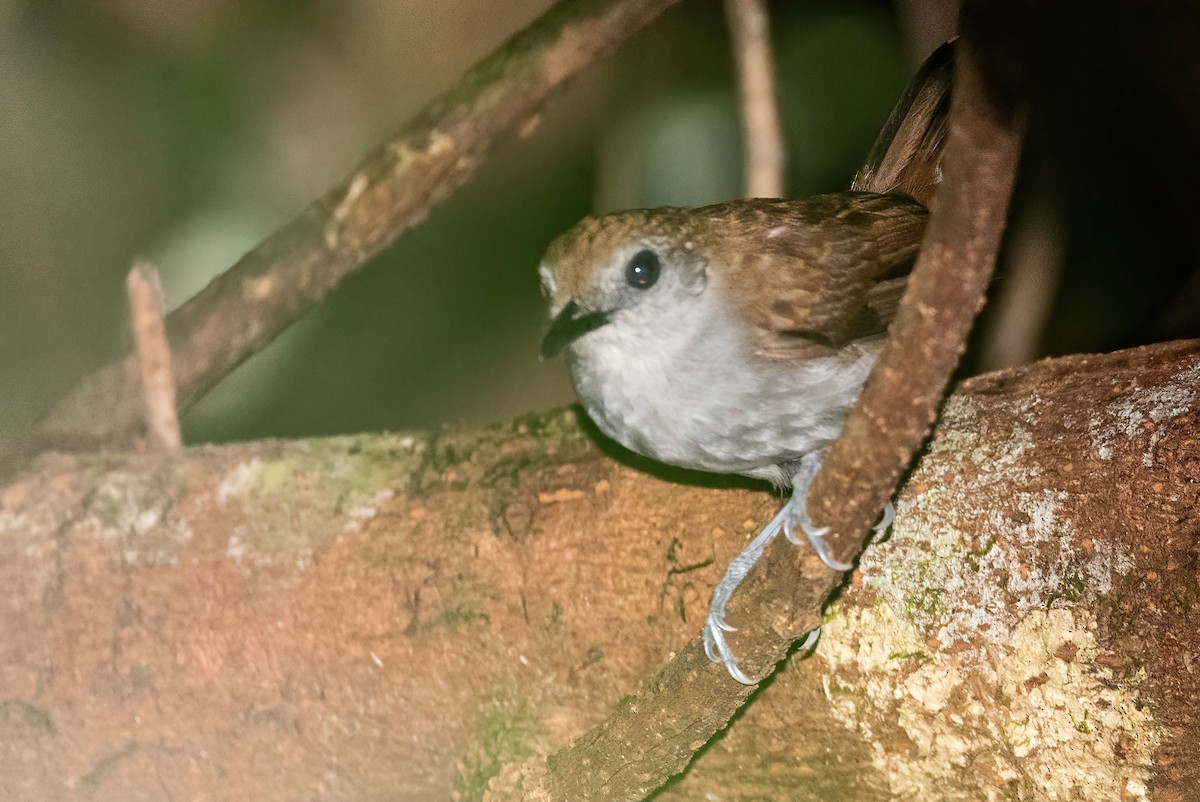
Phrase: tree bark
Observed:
(407, 616)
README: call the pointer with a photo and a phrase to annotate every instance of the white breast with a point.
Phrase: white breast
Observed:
(697, 396)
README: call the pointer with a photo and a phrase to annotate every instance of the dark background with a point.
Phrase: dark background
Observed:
(185, 131)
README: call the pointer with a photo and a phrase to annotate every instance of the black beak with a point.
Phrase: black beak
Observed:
(568, 326)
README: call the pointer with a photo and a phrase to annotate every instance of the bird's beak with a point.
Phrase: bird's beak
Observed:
(568, 326)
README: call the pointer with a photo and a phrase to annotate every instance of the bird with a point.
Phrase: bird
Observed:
(734, 338)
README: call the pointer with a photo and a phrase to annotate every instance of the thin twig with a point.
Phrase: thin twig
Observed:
(1024, 300)
(654, 735)
(750, 29)
(269, 288)
(154, 356)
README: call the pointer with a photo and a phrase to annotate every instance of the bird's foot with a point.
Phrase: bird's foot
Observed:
(797, 518)
(793, 515)
(796, 513)
(715, 645)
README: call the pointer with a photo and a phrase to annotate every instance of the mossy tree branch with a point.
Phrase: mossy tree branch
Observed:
(400, 616)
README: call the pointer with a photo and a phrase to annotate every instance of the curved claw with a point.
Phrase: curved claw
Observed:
(732, 667)
(819, 532)
(797, 507)
(715, 645)
(889, 514)
(816, 539)
(810, 640)
(710, 646)
(716, 617)
(717, 649)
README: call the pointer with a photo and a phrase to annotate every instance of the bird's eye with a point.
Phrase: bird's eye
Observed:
(642, 270)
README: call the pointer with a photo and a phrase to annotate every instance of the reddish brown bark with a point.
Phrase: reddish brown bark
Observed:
(398, 617)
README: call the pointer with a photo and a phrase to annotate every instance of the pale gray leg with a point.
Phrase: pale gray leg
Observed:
(715, 645)
(798, 504)
(793, 514)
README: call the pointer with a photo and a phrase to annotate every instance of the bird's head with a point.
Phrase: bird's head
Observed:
(637, 271)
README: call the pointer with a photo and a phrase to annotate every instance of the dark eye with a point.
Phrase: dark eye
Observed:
(642, 270)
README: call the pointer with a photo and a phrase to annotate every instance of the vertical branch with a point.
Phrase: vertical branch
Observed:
(154, 356)
(750, 29)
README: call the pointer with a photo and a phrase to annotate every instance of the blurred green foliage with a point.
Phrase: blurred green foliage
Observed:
(186, 131)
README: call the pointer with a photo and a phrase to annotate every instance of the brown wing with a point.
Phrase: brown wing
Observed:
(819, 272)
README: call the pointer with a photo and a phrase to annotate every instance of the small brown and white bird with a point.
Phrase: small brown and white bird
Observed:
(734, 338)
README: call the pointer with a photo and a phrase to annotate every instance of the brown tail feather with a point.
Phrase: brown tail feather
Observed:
(906, 158)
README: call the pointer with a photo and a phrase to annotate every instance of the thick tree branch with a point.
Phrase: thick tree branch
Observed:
(397, 616)
(270, 287)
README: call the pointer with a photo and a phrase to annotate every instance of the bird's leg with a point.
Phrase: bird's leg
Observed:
(798, 517)
(715, 645)
(793, 514)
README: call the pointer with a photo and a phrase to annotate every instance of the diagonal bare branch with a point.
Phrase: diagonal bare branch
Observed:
(269, 288)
